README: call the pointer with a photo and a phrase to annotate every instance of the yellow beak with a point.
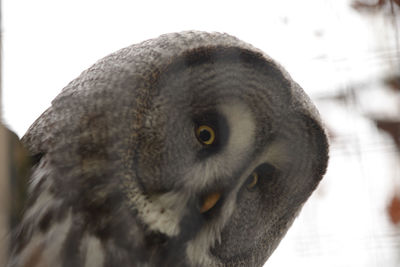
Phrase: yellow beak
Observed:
(210, 201)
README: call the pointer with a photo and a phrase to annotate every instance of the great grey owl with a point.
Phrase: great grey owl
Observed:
(191, 149)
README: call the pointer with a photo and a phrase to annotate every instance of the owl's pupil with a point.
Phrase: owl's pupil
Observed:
(204, 135)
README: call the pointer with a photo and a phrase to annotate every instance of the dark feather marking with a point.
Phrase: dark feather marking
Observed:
(35, 159)
(320, 140)
(229, 55)
(46, 220)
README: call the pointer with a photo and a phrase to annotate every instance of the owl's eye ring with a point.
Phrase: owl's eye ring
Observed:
(205, 134)
(252, 181)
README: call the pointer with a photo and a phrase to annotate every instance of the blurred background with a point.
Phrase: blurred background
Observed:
(344, 53)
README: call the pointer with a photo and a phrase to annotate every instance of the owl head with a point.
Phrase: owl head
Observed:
(192, 149)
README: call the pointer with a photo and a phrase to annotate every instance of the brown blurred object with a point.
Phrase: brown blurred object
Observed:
(393, 82)
(392, 127)
(4, 197)
(4, 192)
(394, 210)
(15, 166)
(365, 5)
(19, 165)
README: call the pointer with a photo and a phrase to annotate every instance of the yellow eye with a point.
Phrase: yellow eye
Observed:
(252, 181)
(205, 134)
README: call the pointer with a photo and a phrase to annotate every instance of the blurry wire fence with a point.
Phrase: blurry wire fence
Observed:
(354, 217)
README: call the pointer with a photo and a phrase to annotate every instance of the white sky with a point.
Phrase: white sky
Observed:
(48, 43)
(322, 43)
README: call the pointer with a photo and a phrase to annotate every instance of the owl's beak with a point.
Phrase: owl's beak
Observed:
(209, 201)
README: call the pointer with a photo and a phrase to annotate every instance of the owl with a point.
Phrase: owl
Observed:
(191, 149)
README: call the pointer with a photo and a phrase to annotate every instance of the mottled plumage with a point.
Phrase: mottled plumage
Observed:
(191, 149)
